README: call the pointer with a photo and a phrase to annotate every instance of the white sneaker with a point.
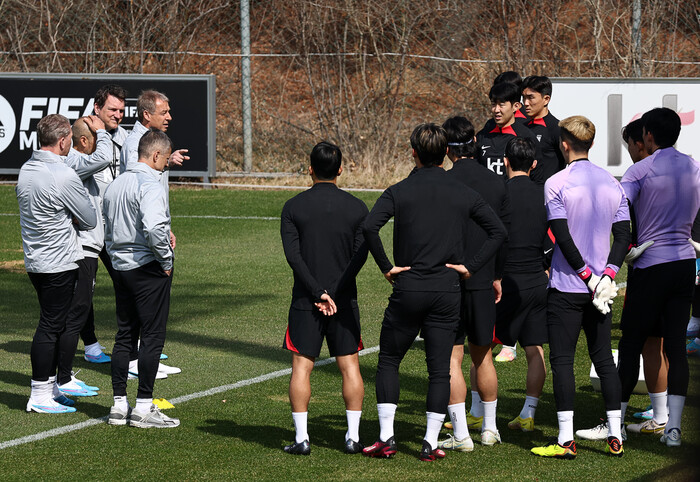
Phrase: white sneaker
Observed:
(599, 432)
(134, 373)
(489, 437)
(152, 419)
(672, 438)
(168, 370)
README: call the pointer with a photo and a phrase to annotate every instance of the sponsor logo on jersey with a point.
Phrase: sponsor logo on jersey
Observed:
(539, 137)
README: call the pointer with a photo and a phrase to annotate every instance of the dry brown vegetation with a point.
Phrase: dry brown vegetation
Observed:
(358, 73)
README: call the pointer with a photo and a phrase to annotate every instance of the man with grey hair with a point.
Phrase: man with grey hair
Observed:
(153, 111)
(52, 204)
(137, 236)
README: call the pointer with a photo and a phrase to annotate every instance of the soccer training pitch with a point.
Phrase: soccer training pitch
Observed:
(230, 297)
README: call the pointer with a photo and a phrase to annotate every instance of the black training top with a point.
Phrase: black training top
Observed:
(492, 145)
(430, 211)
(546, 130)
(323, 242)
(527, 237)
(492, 189)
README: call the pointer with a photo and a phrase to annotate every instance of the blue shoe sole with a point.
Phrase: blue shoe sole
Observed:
(163, 356)
(102, 358)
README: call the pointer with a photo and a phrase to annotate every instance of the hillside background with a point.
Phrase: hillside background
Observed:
(361, 74)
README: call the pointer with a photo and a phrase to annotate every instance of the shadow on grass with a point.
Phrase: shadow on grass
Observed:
(15, 378)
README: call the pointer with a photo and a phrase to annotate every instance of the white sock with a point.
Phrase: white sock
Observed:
(121, 403)
(489, 416)
(675, 410)
(623, 410)
(432, 427)
(566, 426)
(614, 423)
(386, 412)
(659, 403)
(42, 392)
(529, 407)
(300, 425)
(55, 392)
(476, 410)
(93, 350)
(458, 416)
(143, 405)
(134, 365)
(353, 417)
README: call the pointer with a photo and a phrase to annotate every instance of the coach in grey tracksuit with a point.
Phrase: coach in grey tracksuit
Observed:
(52, 204)
(90, 154)
(137, 237)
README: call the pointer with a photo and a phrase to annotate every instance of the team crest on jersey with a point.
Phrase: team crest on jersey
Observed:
(539, 137)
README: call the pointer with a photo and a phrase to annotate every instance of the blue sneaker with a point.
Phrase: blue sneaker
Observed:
(101, 358)
(82, 384)
(647, 414)
(63, 400)
(73, 389)
(163, 356)
(51, 407)
(692, 348)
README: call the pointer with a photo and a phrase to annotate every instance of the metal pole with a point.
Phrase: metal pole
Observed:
(245, 87)
(637, 36)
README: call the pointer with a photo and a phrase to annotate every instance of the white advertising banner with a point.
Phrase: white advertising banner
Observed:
(612, 103)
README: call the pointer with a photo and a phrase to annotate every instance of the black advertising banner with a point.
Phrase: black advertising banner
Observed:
(26, 98)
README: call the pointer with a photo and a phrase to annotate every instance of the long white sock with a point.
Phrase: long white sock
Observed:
(614, 423)
(566, 426)
(55, 392)
(458, 416)
(477, 409)
(659, 404)
(489, 416)
(529, 407)
(121, 403)
(93, 350)
(623, 410)
(432, 427)
(143, 405)
(386, 412)
(300, 421)
(42, 392)
(353, 417)
(675, 410)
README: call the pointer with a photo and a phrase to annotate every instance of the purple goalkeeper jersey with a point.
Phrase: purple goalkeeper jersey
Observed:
(591, 200)
(664, 190)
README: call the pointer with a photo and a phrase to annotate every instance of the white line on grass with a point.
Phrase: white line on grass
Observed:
(185, 398)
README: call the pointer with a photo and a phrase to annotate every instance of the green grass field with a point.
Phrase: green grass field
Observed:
(230, 298)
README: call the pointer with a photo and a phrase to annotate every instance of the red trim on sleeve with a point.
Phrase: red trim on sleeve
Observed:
(610, 272)
(586, 273)
(551, 235)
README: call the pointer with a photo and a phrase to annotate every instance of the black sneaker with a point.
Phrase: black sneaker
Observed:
(427, 454)
(298, 448)
(381, 449)
(352, 447)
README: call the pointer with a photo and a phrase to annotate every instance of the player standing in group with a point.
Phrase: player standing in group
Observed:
(480, 293)
(137, 235)
(693, 347)
(537, 92)
(584, 204)
(322, 239)
(664, 191)
(109, 108)
(521, 315)
(90, 154)
(430, 211)
(52, 204)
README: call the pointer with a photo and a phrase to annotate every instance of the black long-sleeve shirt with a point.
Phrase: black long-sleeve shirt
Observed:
(430, 211)
(322, 240)
(546, 130)
(492, 145)
(527, 236)
(492, 189)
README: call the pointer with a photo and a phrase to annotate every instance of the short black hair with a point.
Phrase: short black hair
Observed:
(430, 143)
(110, 89)
(326, 159)
(539, 83)
(633, 131)
(509, 76)
(664, 125)
(460, 136)
(520, 152)
(505, 92)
